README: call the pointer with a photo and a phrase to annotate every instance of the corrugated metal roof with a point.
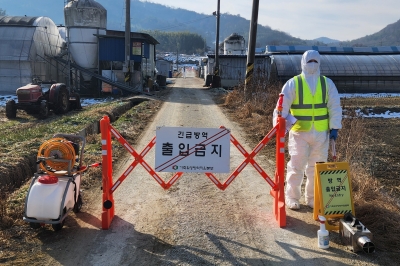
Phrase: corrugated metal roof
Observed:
(342, 65)
(234, 37)
(135, 35)
(236, 55)
(17, 21)
(350, 72)
(293, 49)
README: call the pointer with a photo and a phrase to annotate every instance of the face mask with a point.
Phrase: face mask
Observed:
(311, 68)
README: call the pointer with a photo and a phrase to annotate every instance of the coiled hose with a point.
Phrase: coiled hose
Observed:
(56, 154)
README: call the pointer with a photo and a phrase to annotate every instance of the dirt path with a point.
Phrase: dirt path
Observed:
(193, 223)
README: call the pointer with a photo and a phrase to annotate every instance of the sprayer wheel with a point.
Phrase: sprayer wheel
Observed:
(58, 227)
(34, 225)
(78, 204)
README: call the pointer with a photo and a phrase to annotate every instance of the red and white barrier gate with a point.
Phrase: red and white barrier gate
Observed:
(277, 185)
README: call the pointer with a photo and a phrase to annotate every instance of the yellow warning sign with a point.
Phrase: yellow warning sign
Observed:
(332, 191)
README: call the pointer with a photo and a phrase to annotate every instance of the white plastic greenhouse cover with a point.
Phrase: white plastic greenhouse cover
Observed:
(25, 44)
(353, 69)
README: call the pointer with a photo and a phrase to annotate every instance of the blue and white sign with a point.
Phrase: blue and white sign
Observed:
(180, 149)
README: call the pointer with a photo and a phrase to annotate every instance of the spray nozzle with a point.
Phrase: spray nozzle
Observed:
(321, 218)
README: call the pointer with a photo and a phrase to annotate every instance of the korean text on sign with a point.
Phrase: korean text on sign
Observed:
(181, 149)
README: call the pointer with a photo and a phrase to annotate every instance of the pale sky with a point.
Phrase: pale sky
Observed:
(308, 19)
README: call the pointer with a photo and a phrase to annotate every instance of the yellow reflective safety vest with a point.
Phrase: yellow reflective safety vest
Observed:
(310, 109)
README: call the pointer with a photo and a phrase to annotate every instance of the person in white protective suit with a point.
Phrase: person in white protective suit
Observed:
(314, 101)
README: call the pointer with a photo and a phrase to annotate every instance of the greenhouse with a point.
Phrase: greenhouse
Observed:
(26, 47)
(352, 69)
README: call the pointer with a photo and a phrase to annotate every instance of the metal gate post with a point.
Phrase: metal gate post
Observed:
(108, 200)
(279, 193)
(279, 201)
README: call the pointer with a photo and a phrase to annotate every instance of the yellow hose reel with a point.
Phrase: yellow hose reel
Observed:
(56, 154)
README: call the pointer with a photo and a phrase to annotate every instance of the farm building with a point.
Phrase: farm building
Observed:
(75, 54)
(142, 57)
(353, 69)
(234, 44)
(232, 68)
(164, 67)
(26, 50)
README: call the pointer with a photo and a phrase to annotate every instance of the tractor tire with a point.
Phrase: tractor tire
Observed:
(76, 104)
(11, 109)
(61, 103)
(31, 111)
(43, 110)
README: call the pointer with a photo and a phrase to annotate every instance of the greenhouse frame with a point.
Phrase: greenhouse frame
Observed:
(352, 69)
(26, 48)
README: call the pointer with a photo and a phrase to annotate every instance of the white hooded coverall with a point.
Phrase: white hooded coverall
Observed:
(307, 148)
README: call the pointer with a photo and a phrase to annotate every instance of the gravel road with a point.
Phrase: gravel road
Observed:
(193, 222)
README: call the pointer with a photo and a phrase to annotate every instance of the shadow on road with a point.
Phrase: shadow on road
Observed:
(89, 247)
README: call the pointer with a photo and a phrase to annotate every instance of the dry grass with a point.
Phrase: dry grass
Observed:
(20, 245)
(374, 204)
(256, 113)
(377, 209)
(16, 162)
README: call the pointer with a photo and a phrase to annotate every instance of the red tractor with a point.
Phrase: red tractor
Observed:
(39, 97)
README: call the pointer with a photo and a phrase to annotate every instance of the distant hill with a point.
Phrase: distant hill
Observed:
(388, 36)
(150, 16)
(326, 40)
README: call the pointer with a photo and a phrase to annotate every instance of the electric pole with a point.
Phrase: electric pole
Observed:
(216, 79)
(251, 50)
(127, 68)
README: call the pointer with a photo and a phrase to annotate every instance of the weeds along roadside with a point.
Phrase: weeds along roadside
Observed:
(17, 145)
(20, 138)
(378, 212)
(373, 207)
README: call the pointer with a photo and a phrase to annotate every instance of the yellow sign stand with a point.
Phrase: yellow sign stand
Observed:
(333, 196)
